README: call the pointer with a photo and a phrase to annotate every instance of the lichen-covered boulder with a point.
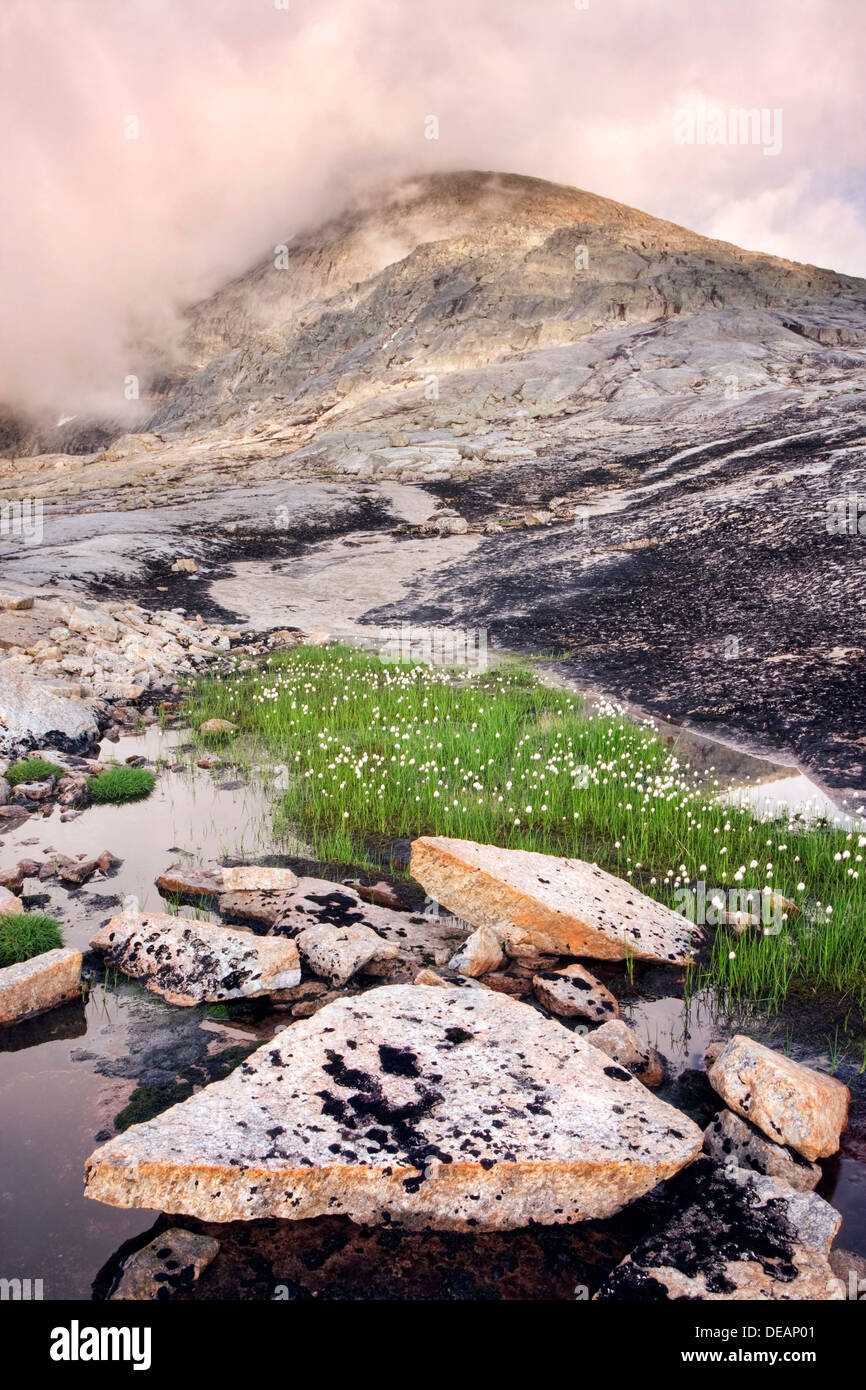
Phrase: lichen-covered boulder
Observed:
(190, 962)
(792, 1104)
(451, 1108)
(540, 903)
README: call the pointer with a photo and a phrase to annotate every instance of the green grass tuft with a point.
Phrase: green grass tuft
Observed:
(119, 784)
(24, 935)
(32, 770)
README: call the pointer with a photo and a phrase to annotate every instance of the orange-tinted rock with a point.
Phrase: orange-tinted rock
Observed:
(537, 902)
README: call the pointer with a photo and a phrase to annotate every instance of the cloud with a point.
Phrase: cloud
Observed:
(254, 122)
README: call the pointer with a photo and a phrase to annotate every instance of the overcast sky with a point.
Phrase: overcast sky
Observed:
(254, 121)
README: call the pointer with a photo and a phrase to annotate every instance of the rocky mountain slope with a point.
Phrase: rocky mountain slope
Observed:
(675, 421)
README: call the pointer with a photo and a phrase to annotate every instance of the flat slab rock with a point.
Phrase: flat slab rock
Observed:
(456, 1109)
(258, 878)
(539, 903)
(191, 962)
(792, 1104)
(736, 1236)
(190, 881)
(38, 984)
(170, 1263)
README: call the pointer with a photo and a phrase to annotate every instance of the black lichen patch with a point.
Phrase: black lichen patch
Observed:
(395, 1124)
(717, 1223)
(398, 1061)
(617, 1074)
(338, 909)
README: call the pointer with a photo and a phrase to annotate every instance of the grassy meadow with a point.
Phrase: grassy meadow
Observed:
(360, 752)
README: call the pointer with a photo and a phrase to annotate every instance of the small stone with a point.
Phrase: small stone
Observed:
(480, 952)
(11, 880)
(217, 726)
(850, 1270)
(792, 1104)
(729, 1139)
(184, 565)
(15, 602)
(574, 993)
(430, 977)
(171, 1262)
(78, 872)
(622, 1045)
(9, 902)
(515, 985)
(94, 622)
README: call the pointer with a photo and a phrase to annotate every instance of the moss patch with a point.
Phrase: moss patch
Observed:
(32, 770)
(118, 784)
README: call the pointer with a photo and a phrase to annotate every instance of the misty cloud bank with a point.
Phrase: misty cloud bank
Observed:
(254, 122)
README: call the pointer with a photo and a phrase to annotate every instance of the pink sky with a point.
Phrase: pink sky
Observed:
(255, 121)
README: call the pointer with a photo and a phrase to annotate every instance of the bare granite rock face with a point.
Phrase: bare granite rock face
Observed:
(574, 993)
(30, 713)
(792, 1104)
(728, 1139)
(38, 984)
(736, 1236)
(190, 962)
(455, 1109)
(537, 903)
(592, 360)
